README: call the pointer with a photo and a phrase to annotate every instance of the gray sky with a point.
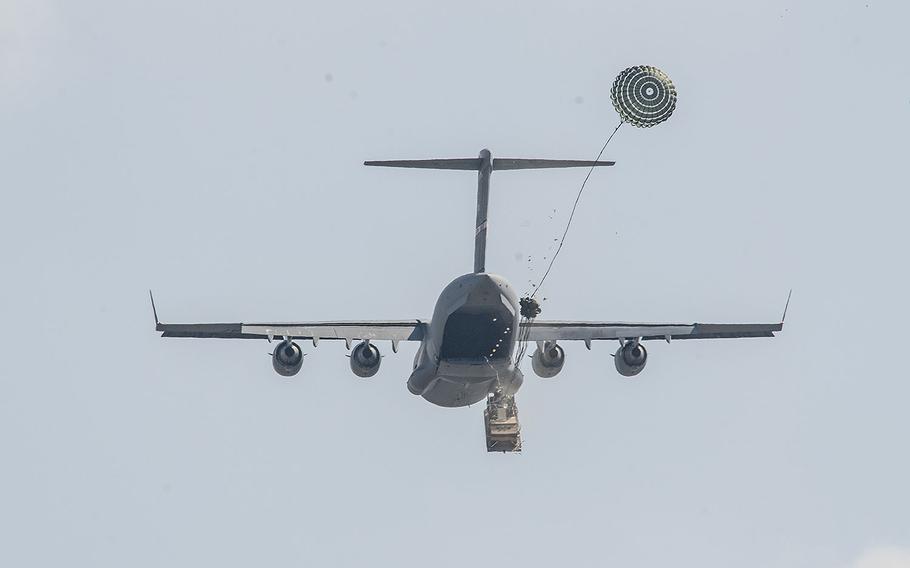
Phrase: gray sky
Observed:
(213, 154)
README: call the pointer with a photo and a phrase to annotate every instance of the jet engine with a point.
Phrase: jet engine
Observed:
(287, 358)
(547, 360)
(630, 359)
(365, 359)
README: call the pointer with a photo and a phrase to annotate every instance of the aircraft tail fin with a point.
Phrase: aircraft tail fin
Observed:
(484, 165)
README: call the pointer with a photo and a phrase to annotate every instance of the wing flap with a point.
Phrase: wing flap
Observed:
(213, 330)
(407, 330)
(592, 331)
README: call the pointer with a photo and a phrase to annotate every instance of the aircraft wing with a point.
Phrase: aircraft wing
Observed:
(349, 331)
(409, 330)
(590, 331)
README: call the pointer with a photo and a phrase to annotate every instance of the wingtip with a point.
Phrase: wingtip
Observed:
(154, 310)
(783, 318)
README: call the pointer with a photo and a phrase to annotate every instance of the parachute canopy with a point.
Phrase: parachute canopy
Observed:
(643, 96)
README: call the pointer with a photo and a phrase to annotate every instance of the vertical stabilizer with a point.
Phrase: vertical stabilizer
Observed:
(483, 200)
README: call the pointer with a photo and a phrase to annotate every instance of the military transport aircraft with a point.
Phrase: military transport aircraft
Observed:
(467, 350)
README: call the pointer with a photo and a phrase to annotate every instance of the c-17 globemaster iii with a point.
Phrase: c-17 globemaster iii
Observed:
(467, 350)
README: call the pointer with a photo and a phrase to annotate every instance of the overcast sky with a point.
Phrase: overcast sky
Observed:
(212, 152)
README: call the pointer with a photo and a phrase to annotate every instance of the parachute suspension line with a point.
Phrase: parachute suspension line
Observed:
(530, 306)
(572, 214)
(524, 332)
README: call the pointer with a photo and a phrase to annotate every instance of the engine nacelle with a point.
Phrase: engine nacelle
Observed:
(547, 360)
(630, 359)
(365, 359)
(287, 359)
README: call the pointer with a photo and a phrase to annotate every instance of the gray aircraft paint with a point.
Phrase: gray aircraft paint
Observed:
(461, 383)
(464, 380)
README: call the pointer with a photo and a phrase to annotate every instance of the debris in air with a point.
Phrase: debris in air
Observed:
(530, 308)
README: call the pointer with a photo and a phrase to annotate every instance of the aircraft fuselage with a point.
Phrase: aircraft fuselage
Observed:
(467, 351)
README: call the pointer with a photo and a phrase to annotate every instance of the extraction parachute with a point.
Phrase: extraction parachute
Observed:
(643, 96)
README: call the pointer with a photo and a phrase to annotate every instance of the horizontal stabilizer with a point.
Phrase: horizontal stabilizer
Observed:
(525, 164)
(446, 164)
(473, 164)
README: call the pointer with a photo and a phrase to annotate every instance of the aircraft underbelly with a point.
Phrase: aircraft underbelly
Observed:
(453, 391)
(464, 383)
